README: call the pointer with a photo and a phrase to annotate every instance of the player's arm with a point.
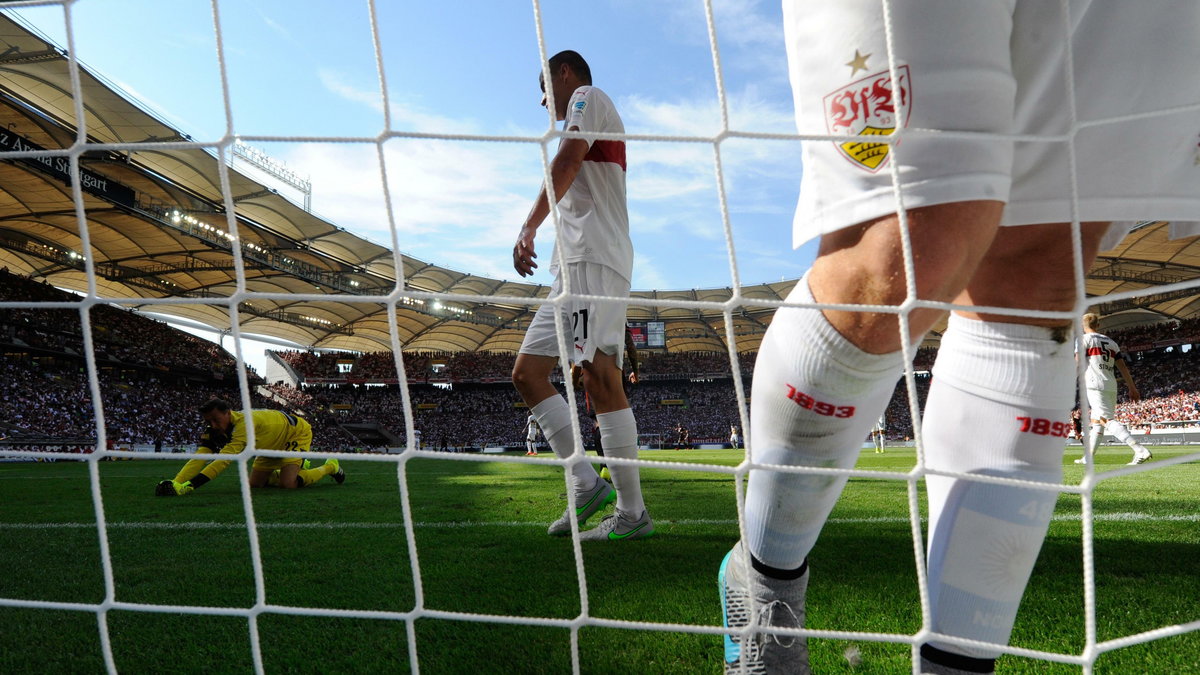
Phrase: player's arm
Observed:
(1124, 371)
(217, 466)
(194, 466)
(209, 444)
(563, 170)
(632, 355)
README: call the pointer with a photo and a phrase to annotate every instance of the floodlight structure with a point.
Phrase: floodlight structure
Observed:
(275, 169)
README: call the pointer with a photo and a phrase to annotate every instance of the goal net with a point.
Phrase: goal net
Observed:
(662, 627)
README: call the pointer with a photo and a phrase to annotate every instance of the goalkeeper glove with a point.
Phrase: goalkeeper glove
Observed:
(171, 488)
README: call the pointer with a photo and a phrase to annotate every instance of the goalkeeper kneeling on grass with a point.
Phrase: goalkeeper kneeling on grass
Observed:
(273, 430)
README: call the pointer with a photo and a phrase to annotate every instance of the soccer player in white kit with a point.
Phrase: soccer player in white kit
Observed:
(531, 432)
(878, 432)
(948, 208)
(588, 183)
(1103, 362)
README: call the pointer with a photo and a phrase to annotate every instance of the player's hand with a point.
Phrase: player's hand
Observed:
(523, 253)
(182, 489)
(577, 376)
(1134, 394)
(633, 378)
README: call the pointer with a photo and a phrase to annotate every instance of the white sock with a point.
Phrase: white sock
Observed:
(618, 435)
(1000, 406)
(1093, 440)
(1121, 433)
(554, 417)
(814, 398)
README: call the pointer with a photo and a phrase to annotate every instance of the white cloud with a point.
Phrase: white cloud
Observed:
(404, 116)
(332, 81)
(749, 111)
(460, 203)
(738, 22)
(745, 23)
(647, 273)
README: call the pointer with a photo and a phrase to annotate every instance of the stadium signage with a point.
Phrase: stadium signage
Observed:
(60, 167)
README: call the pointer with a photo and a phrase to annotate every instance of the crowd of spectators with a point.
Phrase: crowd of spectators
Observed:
(118, 335)
(50, 398)
(152, 378)
(486, 366)
(1157, 334)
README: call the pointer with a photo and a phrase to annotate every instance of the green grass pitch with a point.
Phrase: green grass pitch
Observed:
(480, 541)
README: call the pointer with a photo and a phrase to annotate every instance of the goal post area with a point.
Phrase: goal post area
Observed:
(435, 556)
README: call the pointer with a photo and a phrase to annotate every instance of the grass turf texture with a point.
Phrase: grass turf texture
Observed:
(480, 537)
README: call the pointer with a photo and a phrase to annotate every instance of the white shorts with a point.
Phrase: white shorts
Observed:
(1102, 404)
(997, 66)
(592, 324)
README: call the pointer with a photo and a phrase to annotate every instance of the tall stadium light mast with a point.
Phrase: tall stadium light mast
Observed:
(276, 169)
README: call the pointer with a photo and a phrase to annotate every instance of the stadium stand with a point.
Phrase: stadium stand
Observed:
(150, 388)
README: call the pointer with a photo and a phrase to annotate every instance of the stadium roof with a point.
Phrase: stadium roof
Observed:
(155, 228)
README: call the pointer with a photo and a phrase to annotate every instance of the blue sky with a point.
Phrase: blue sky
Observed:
(304, 70)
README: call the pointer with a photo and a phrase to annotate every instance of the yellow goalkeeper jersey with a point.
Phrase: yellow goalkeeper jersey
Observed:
(273, 430)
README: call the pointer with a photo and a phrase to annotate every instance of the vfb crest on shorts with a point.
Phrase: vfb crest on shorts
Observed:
(868, 107)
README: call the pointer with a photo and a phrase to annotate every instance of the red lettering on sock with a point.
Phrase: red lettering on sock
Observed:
(819, 407)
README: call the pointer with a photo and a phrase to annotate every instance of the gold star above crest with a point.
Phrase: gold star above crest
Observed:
(859, 62)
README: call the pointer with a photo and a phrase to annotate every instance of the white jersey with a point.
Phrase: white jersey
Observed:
(1101, 353)
(531, 429)
(593, 213)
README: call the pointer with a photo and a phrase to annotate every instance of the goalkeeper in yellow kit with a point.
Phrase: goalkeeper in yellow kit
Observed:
(226, 435)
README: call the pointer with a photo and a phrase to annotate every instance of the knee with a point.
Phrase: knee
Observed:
(521, 377)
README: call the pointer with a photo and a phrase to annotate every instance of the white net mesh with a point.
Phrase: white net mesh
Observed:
(727, 135)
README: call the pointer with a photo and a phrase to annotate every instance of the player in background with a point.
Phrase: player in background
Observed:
(1104, 362)
(990, 222)
(735, 436)
(211, 441)
(683, 438)
(629, 377)
(531, 434)
(587, 181)
(273, 430)
(878, 432)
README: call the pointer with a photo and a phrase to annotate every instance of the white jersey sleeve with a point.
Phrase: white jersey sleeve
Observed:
(594, 214)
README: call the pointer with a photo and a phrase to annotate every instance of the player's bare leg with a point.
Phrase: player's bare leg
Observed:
(531, 377)
(261, 478)
(821, 381)
(289, 476)
(1013, 376)
(618, 433)
(865, 265)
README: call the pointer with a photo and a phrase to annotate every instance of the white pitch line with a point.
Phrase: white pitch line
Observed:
(1103, 517)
